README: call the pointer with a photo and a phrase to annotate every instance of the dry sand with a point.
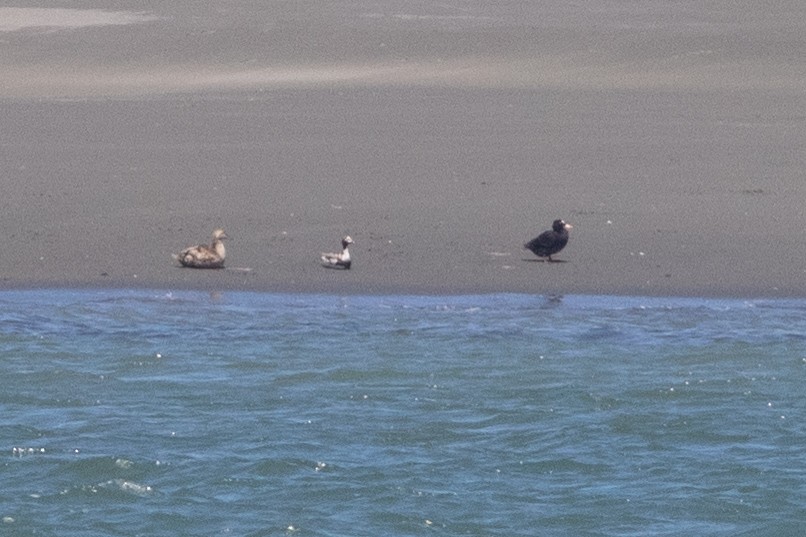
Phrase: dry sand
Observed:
(441, 136)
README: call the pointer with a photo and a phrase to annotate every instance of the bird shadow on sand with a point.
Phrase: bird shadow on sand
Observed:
(553, 261)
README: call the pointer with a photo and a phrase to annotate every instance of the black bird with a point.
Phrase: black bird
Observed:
(550, 242)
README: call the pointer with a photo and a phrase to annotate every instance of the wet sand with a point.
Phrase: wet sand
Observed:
(440, 137)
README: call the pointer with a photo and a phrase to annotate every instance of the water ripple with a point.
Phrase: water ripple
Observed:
(139, 412)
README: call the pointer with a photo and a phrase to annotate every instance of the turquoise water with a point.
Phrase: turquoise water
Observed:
(132, 412)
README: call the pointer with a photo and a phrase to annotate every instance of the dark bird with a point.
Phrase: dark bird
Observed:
(339, 259)
(204, 256)
(550, 242)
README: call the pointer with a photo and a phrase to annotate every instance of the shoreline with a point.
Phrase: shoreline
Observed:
(409, 293)
(389, 290)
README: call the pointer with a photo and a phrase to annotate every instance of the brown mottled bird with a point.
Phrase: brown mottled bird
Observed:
(204, 256)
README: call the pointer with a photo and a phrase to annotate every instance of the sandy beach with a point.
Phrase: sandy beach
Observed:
(441, 137)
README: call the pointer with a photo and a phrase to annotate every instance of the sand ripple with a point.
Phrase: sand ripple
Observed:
(13, 19)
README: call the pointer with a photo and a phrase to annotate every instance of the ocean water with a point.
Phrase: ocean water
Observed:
(140, 412)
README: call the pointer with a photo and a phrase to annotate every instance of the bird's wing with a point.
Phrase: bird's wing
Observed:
(540, 240)
(200, 254)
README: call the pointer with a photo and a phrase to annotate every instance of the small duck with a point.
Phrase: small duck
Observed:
(550, 242)
(204, 256)
(341, 259)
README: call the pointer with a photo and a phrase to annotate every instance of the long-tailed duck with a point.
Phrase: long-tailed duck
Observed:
(204, 256)
(550, 242)
(341, 259)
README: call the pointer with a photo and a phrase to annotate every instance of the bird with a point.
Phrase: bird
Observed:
(341, 259)
(203, 256)
(550, 242)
